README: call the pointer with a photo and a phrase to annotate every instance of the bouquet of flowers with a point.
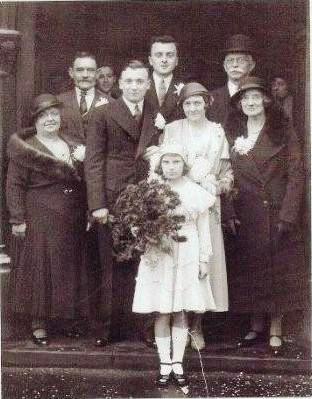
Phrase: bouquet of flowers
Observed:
(144, 217)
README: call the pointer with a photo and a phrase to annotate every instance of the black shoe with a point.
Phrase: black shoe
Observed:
(101, 342)
(163, 380)
(277, 350)
(40, 341)
(245, 343)
(180, 379)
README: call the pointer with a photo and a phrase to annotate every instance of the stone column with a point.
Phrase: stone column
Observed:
(9, 43)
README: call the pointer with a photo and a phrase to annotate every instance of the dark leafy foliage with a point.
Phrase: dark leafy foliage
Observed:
(144, 215)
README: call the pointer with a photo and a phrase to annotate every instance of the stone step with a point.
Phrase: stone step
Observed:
(66, 353)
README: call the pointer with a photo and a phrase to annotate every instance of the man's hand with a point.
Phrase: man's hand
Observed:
(101, 215)
(203, 270)
(19, 230)
(150, 151)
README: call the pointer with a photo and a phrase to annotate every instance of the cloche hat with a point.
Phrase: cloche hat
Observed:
(193, 89)
(43, 102)
(249, 82)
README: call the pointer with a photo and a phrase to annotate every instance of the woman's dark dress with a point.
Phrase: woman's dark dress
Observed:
(49, 280)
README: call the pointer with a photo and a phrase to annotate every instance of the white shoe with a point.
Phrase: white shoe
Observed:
(197, 340)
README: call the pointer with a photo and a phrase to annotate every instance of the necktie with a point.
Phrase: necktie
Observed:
(137, 113)
(83, 102)
(162, 90)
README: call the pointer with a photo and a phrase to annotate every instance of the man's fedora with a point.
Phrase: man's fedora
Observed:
(239, 44)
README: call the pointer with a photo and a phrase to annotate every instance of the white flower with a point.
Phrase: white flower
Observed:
(79, 153)
(242, 145)
(178, 88)
(101, 101)
(160, 121)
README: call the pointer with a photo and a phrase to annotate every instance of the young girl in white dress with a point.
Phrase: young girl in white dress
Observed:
(173, 284)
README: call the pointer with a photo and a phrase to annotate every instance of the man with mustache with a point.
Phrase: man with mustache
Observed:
(78, 106)
(80, 102)
(238, 63)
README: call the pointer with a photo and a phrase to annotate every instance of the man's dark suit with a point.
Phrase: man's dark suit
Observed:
(115, 145)
(220, 107)
(75, 128)
(74, 124)
(169, 109)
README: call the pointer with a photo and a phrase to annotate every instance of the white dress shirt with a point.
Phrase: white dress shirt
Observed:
(233, 88)
(89, 96)
(132, 106)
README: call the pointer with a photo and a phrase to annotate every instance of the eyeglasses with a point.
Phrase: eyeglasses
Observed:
(239, 60)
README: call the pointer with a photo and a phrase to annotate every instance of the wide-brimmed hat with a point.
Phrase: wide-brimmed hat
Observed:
(43, 102)
(248, 83)
(193, 89)
(239, 44)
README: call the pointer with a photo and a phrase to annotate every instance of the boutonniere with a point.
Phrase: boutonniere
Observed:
(242, 145)
(101, 101)
(79, 153)
(160, 121)
(178, 88)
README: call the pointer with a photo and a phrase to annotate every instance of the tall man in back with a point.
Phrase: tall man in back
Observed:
(238, 63)
(164, 91)
(118, 135)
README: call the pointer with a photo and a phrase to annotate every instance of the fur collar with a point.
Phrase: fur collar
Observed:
(24, 149)
(275, 127)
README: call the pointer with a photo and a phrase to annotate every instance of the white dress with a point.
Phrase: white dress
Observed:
(207, 154)
(169, 283)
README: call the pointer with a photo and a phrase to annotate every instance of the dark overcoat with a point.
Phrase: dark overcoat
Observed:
(74, 125)
(220, 107)
(169, 108)
(269, 273)
(48, 279)
(115, 145)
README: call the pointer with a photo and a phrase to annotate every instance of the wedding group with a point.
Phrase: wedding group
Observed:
(121, 194)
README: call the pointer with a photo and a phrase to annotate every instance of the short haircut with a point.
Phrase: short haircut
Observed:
(107, 65)
(83, 54)
(163, 39)
(134, 64)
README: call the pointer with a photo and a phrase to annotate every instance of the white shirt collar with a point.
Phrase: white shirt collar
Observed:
(158, 79)
(232, 88)
(131, 105)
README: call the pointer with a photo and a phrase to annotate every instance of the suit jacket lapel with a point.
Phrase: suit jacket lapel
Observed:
(123, 117)
(75, 105)
(151, 95)
(170, 102)
(148, 129)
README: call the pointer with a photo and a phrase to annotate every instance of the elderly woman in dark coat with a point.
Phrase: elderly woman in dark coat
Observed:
(45, 201)
(270, 276)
